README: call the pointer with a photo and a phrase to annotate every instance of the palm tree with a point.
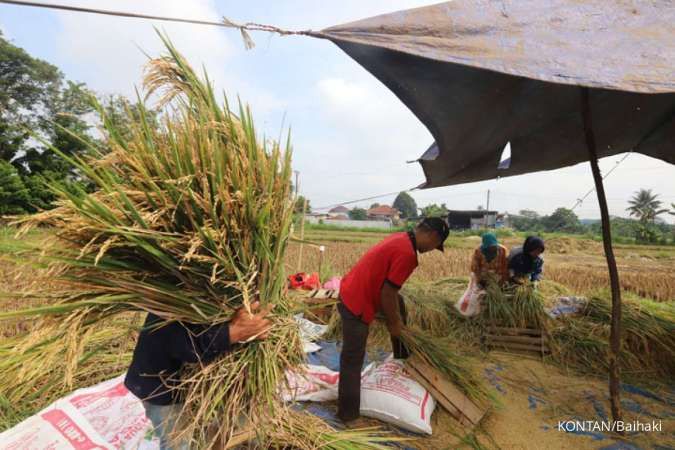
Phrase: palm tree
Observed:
(672, 206)
(645, 206)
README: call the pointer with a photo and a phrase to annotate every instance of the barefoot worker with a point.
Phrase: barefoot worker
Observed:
(372, 286)
(164, 347)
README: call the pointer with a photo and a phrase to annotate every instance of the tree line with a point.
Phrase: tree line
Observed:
(643, 225)
(41, 110)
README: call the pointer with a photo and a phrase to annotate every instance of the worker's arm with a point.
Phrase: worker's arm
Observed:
(400, 269)
(205, 345)
(390, 308)
(538, 270)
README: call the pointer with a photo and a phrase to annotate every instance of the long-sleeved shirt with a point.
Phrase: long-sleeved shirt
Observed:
(521, 266)
(162, 350)
(498, 265)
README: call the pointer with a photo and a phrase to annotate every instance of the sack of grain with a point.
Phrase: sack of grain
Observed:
(388, 393)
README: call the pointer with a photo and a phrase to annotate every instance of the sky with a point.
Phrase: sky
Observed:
(351, 136)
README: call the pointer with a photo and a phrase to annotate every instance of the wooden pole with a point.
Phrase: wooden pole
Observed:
(615, 330)
(302, 234)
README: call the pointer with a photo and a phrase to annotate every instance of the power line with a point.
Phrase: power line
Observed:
(364, 199)
(581, 200)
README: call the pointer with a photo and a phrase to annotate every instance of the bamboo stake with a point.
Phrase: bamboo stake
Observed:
(302, 234)
(615, 330)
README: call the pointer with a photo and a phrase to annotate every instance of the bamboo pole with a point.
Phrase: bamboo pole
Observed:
(615, 331)
(302, 234)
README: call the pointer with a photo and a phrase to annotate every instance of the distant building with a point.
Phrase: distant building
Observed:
(338, 211)
(338, 217)
(383, 213)
(503, 221)
(316, 218)
(472, 220)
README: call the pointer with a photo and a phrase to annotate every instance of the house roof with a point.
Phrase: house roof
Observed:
(339, 217)
(383, 210)
(476, 213)
(339, 209)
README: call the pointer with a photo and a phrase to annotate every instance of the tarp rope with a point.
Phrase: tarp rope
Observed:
(243, 28)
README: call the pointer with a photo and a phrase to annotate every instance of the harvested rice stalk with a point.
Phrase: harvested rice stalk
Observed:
(189, 220)
(303, 431)
(35, 370)
(439, 354)
(584, 346)
(514, 306)
(648, 331)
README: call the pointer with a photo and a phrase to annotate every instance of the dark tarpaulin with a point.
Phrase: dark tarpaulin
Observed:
(537, 54)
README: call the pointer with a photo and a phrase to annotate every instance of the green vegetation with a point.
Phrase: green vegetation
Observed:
(40, 110)
(434, 210)
(646, 230)
(358, 214)
(406, 205)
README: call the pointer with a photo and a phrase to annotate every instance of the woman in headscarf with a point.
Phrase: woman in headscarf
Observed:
(489, 258)
(526, 263)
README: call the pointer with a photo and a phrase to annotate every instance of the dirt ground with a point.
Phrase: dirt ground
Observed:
(536, 396)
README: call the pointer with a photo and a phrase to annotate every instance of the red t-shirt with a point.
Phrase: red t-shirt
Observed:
(393, 260)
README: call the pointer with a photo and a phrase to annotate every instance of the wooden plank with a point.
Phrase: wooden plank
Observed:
(438, 396)
(516, 346)
(515, 331)
(319, 301)
(449, 391)
(520, 339)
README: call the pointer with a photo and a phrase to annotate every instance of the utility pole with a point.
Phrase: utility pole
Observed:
(297, 182)
(487, 211)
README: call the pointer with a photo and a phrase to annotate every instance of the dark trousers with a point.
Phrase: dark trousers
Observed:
(354, 339)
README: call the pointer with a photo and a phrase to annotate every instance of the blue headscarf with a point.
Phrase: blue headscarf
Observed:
(489, 247)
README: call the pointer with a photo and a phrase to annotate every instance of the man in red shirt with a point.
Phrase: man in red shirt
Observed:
(370, 287)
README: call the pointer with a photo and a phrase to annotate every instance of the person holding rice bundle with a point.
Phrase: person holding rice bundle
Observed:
(526, 263)
(489, 258)
(371, 286)
(164, 347)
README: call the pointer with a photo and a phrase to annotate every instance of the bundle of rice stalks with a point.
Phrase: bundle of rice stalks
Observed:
(439, 354)
(428, 307)
(300, 430)
(647, 329)
(189, 220)
(584, 346)
(513, 306)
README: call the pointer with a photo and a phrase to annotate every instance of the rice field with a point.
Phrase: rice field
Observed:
(572, 269)
(578, 264)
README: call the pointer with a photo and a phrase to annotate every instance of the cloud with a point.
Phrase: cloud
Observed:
(108, 52)
(351, 135)
(369, 135)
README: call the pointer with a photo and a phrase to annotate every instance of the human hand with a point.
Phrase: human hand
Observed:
(246, 327)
